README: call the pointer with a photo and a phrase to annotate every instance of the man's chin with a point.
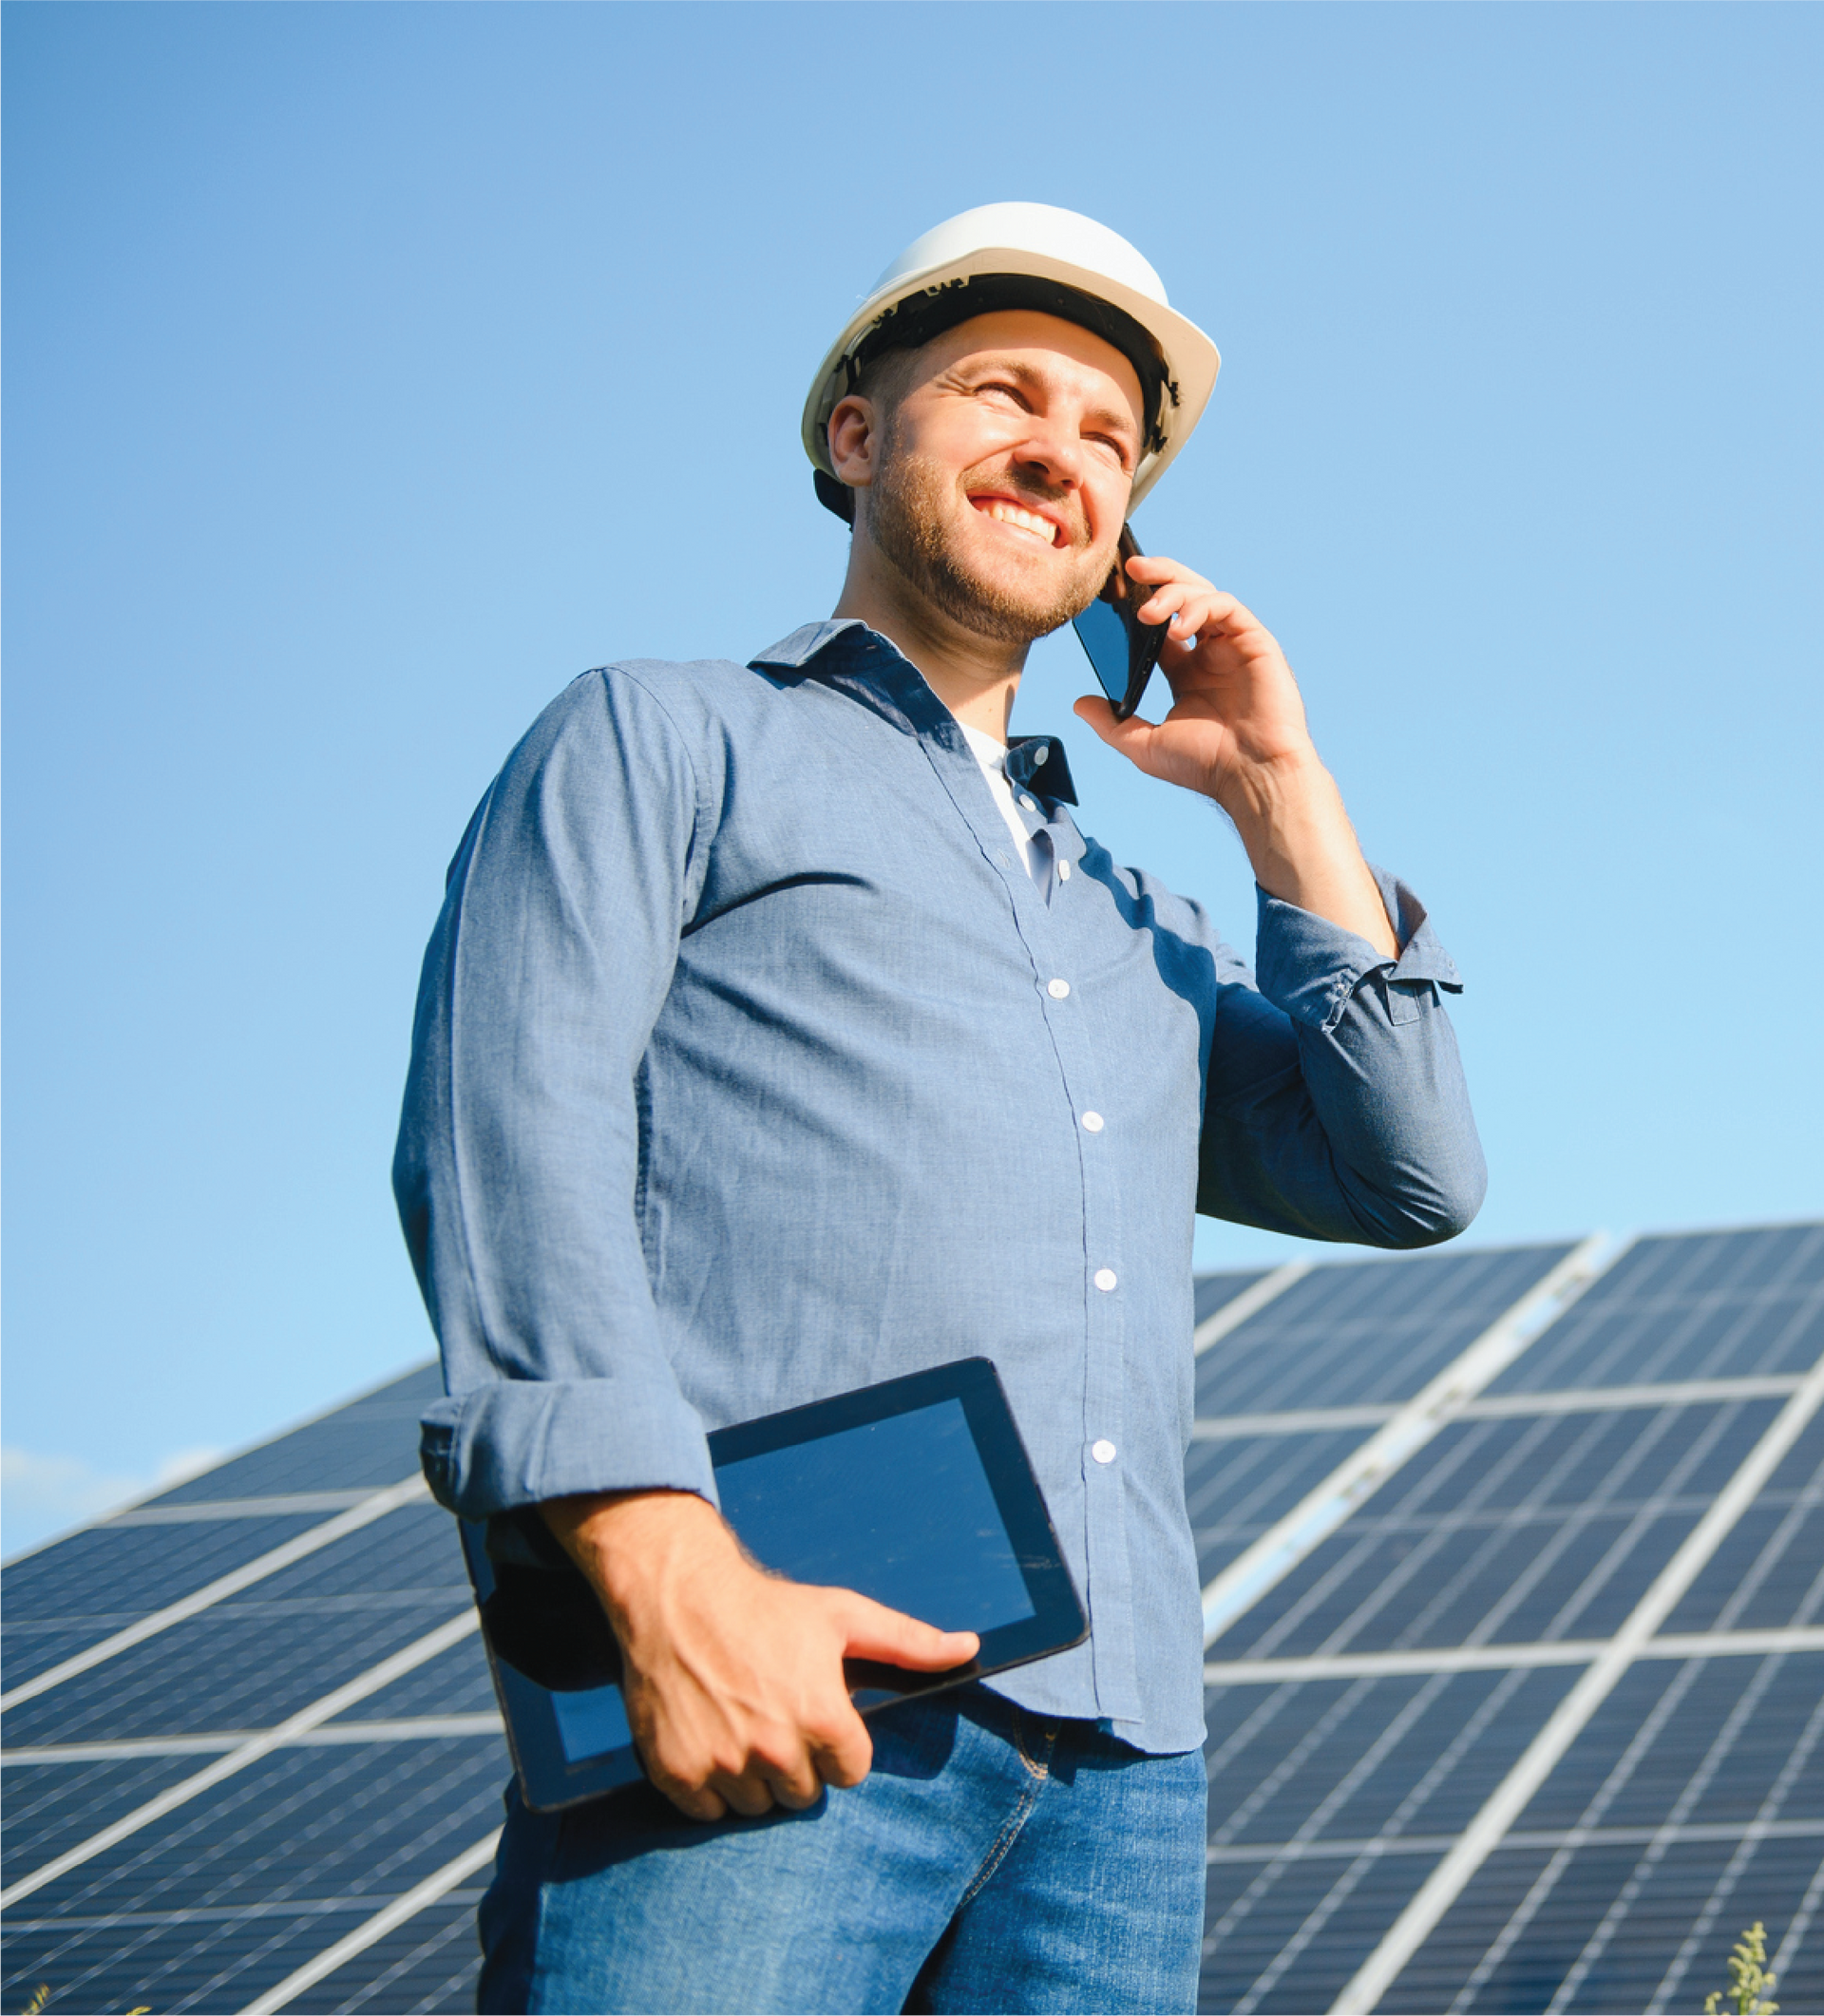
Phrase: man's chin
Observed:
(1013, 604)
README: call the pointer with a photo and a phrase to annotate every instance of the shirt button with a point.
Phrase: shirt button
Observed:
(1029, 804)
(1102, 1451)
(1063, 871)
(1105, 1279)
(1042, 753)
(1091, 1123)
(1057, 989)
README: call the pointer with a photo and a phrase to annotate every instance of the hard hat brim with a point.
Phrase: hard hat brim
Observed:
(1191, 359)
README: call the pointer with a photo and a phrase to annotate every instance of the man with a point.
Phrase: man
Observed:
(781, 1034)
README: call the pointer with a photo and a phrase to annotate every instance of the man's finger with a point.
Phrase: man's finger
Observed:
(749, 1794)
(843, 1752)
(696, 1802)
(873, 1631)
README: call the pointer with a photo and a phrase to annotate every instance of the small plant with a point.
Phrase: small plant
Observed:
(1748, 1978)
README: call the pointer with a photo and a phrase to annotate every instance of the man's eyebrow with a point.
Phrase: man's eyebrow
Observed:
(987, 362)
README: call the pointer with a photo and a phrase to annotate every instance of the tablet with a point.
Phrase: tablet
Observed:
(917, 1491)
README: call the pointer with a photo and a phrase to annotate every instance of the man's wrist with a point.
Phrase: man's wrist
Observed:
(1263, 798)
(630, 1543)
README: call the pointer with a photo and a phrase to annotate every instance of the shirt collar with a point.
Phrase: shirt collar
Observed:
(1035, 763)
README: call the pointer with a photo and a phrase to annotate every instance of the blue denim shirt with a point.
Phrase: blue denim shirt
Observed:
(750, 1066)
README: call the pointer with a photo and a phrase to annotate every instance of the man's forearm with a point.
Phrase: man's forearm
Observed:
(1304, 850)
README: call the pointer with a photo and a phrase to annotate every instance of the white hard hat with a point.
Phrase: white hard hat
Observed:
(1024, 256)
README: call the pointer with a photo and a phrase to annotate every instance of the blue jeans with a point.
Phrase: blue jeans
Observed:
(992, 1860)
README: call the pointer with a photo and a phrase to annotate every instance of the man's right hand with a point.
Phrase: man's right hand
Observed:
(733, 1678)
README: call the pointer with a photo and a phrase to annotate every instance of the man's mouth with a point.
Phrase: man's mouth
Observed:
(1005, 512)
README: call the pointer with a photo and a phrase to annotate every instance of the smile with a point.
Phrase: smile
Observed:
(1004, 513)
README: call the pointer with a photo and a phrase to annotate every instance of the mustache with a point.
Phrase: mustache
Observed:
(1025, 489)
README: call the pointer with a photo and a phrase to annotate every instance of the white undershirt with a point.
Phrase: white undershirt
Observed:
(992, 755)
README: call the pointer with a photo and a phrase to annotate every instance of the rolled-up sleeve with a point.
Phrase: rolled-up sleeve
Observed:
(1335, 1106)
(519, 1145)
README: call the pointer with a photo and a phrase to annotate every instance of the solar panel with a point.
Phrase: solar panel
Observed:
(1516, 1566)
(396, 1768)
(1703, 1307)
(1611, 1546)
(1368, 1331)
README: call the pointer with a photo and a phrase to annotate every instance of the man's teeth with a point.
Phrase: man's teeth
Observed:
(1008, 514)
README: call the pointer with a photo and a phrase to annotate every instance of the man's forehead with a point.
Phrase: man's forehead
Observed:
(1029, 343)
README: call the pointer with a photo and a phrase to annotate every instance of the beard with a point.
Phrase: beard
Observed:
(908, 504)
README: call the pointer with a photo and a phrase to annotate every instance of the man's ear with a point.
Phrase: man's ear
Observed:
(854, 441)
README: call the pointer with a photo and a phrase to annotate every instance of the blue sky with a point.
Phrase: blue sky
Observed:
(371, 371)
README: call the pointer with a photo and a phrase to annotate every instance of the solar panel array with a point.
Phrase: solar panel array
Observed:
(1523, 1714)
(1515, 1563)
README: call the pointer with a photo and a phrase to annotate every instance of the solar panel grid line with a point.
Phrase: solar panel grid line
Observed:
(1250, 1302)
(374, 1505)
(1377, 1974)
(1245, 1580)
(147, 1499)
(1305, 1420)
(203, 1510)
(1604, 1399)
(210, 1744)
(1588, 1400)
(1486, 1658)
(1249, 1487)
(225, 1914)
(248, 1752)
(415, 1900)
(1335, 1848)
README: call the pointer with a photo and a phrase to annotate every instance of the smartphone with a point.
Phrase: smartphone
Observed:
(1122, 649)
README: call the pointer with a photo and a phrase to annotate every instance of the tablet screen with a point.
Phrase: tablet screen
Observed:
(899, 1509)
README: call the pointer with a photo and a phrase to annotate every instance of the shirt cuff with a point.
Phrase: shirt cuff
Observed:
(1311, 968)
(516, 1442)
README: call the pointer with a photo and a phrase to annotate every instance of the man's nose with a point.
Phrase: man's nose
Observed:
(1058, 454)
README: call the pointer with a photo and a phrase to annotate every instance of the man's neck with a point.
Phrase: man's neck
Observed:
(974, 676)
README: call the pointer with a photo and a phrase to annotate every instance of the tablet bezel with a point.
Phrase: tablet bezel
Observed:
(549, 1779)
